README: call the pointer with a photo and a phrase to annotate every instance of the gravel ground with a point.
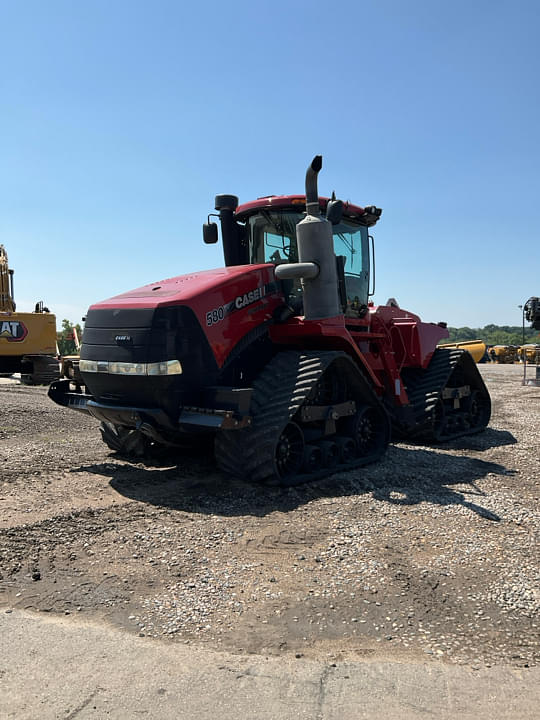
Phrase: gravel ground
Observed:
(431, 552)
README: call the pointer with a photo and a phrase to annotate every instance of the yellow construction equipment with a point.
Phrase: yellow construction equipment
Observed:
(69, 364)
(477, 348)
(27, 339)
(529, 352)
(504, 354)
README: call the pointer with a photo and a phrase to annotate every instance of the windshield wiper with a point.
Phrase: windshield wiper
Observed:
(348, 243)
(266, 215)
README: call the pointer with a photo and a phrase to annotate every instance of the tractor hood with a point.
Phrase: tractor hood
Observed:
(249, 292)
(186, 289)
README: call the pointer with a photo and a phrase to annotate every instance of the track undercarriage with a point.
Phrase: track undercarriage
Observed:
(448, 399)
(39, 369)
(313, 413)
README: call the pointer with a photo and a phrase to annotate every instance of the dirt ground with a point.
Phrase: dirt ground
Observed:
(432, 552)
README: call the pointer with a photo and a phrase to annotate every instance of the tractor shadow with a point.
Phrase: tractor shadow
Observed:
(405, 476)
(485, 440)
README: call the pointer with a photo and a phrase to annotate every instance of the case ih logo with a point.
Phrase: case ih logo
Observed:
(13, 330)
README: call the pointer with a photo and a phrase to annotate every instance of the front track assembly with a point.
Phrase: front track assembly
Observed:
(313, 413)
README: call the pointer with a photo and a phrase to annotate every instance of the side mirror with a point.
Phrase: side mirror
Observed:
(334, 211)
(210, 233)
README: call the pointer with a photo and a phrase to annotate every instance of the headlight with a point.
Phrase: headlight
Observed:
(165, 367)
(88, 366)
(122, 368)
(168, 367)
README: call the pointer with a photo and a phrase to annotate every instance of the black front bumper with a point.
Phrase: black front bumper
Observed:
(228, 411)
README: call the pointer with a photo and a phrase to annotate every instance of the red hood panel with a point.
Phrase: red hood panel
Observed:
(228, 303)
(183, 288)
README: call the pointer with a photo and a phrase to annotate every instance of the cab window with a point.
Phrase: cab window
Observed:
(272, 238)
(351, 242)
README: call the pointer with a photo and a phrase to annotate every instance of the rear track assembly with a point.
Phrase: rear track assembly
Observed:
(448, 399)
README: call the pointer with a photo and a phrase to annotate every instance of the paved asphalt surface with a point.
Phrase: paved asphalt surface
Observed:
(54, 667)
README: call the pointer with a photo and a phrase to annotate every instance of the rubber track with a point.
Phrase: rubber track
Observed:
(278, 392)
(124, 441)
(425, 391)
(45, 371)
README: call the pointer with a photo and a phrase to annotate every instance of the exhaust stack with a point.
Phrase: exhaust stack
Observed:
(317, 262)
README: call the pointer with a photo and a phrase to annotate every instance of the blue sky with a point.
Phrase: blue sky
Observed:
(120, 121)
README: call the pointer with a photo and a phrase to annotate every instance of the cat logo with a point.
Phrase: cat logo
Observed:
(13, 330)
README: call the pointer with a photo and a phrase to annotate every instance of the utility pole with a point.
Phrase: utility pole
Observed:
(522, 308)
(523, 351)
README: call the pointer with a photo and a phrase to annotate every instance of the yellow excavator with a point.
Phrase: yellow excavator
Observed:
(27, 339)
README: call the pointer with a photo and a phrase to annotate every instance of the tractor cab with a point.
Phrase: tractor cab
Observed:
(264, 231)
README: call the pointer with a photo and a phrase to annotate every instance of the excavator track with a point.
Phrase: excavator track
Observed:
(312, 414)
(45, 370)
(448, 399)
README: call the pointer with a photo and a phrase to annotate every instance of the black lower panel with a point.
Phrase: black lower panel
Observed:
(148, 335)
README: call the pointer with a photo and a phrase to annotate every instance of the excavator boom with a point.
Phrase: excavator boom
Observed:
(7, 304)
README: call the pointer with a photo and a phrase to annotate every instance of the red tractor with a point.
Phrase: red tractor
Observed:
(280, 355)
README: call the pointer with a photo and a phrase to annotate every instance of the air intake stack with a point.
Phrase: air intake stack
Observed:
(317, 267)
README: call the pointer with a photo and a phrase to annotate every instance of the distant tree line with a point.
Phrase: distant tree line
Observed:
(490, 334)
(65, 339)
(494, 335)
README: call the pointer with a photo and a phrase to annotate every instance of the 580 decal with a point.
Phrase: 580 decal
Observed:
(240, 301)
(217, 314)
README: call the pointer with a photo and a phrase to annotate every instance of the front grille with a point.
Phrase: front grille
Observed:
(148, 335)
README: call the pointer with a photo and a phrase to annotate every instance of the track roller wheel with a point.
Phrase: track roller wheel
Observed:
(289, 451)
(125, 441)
(367, 430)
(347, 449)
(478, 410)
(330, 453)
(312, 458)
